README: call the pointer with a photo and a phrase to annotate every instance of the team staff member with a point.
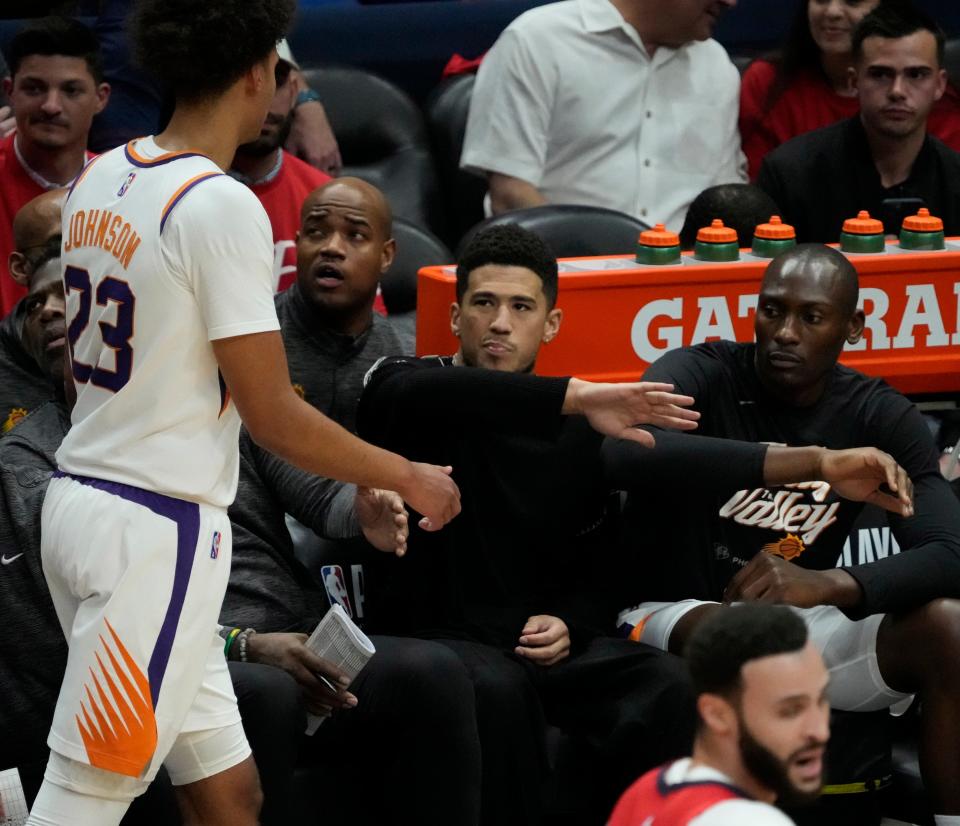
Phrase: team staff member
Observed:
(885, 628)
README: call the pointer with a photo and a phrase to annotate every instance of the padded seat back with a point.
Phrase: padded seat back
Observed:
(382, 138)
(571, 230)
(416, 248)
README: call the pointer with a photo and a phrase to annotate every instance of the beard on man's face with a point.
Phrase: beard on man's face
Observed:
(266, 144)
(771, 771)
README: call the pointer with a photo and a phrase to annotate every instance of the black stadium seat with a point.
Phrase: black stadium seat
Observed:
(447, 109)
(382, 138)
(416, 248)
(572, 231)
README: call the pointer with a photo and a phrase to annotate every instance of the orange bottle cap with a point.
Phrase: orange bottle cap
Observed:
(717, 233)
(923, 221)
(775, 230)
(659, 236)
(863, 224)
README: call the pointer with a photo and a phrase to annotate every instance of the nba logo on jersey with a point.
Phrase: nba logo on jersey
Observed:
(126, 185)
(215, 545)
(336, 587)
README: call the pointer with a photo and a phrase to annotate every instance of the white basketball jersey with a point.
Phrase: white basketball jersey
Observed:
(162, 254)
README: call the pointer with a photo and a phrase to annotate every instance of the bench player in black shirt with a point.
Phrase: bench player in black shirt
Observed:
(728, 532)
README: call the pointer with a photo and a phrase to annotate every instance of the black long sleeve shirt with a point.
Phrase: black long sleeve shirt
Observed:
(692, 523)
(535, 521)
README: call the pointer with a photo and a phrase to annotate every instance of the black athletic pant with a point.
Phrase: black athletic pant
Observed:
(409, 752)
(626, 706)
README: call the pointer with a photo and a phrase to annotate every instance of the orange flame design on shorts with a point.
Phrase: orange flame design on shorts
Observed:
(790, 547)
(124, 736)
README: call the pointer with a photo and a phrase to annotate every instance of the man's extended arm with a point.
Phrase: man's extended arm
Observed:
(507, 193)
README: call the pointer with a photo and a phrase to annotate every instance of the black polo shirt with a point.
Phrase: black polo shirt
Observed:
(826, 176)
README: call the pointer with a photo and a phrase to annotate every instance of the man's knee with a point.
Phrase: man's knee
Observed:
(939, 625)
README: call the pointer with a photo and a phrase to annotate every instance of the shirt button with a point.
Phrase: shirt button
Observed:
(649, 113)
(643, 212)
(646, 162)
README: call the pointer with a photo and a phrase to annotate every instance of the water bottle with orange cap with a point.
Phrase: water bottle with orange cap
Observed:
(658, 246)
(772, 238)
(922, 231)
(862, 234)
(716, 243)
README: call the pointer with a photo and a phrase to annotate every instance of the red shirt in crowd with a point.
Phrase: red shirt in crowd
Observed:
(808, 103)
(282, 196)
(16, 189)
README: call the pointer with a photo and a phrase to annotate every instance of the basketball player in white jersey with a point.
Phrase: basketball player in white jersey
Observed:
(172, 329)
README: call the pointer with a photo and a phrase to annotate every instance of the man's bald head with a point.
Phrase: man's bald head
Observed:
(357, 192)
(806, 313)
(344, 247)
(816, 264)
(36, 234)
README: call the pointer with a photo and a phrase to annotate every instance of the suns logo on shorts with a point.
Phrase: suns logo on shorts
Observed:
(126, 185)
(790, 547)
(117, 725)
(215, 545)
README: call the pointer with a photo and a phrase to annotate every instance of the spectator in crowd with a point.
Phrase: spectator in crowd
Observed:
(886, 629)
(626, 105)
(280, 180)
(413, 704)
(32, 336)
(740, 206)
(56, 87)
(517, 586)
(762, 726)
(881, 160)
(807, 84)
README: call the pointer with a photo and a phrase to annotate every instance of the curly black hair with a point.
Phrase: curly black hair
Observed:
(198, 50)
(511, 246)
(56, 36)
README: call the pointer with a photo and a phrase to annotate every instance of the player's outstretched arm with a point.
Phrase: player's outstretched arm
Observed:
(617, 409)
(857, 474)
(254, 368)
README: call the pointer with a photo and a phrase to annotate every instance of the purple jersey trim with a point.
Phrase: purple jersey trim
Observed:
(183, 191)
(186, 516)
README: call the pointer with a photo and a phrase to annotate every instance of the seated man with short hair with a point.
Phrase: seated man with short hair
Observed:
(32, 336)
(736, 531)
(742, 207)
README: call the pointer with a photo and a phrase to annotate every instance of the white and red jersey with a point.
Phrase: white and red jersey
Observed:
(162, 254)
(686, 794)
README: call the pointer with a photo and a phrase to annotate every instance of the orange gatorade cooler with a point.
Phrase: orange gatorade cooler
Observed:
(772, 238)
(922, 231)
(658, 246)
(716, 243)
(862, 234)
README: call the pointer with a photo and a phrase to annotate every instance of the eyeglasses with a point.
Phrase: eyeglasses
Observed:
(281, 72)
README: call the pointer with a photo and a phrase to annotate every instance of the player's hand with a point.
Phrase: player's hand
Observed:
(857, 474)
(383, 519)
(324, 685)
(769, 578)
(617, 409)
(434, 494)
(545, 640)
(312, 139)
(8, 124)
